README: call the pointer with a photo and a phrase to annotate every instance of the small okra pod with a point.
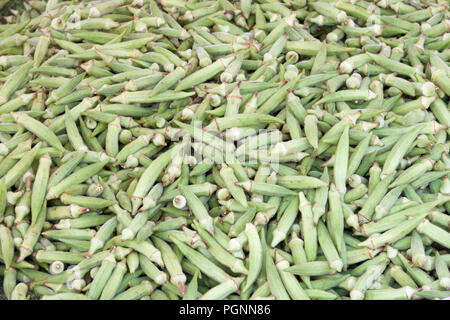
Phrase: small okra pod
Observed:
(375, 197)
(132, 147)
(434, 232)
(231, 70)
(22, 207)
(223, 290)
(87, 202)
(401, 277)
(170, 224)
(432, 294)
(241, 120)
(16, 103)
(101, 236)
(160, 277)
(198, 209)
(62, 256)
(312, 130)
(418, 256)
(374, 176)
(398, 217)
(266, 189)
(442, 272)
(236, 265)
(309, 231)
(74, 135)
(112, 137)
(413, 172)
(273, 277)
(255, 255)
(192, 288)
(291, 283)
(320, 198)
(286, 221)
(40, 186)
(20, 292)
(172, 264)
(74, 234)
(205, 73)
(355, 193)
(314, 268)
(9, 281)
(61, 212)
(56, 267)
(393, 234)
(112, 284)
(387, 202)
(341, 163)
(135, 225)
(270, 104)
(7, 246)
(261, 292)
(145, 247)
(146, 231)
(19, 169)
(136, 292)
(300, 182)
(123, 199)
(328, 248)
(200, 261)
(203, 56)
(14, 81)
(394, 66)
(38, 129)
(335, 218)
(151, 199)
(150, 175)
(353, 62)
(32, 235)
(132, 260)
(232, 185)
(66, 296)
(78, 176)
(366, 280)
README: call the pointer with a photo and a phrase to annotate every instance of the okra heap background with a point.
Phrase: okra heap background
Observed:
(252, 149)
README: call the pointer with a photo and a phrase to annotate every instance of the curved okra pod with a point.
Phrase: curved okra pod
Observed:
(21, 166)
(76, 177)
(149, 176)
(201, 262)
(40, 187)
(38, 129)
(14, 81)
(291, 283)
(177, 276)
(393, 234)
(7, 245)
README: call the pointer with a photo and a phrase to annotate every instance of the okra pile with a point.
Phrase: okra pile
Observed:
(248, 149)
